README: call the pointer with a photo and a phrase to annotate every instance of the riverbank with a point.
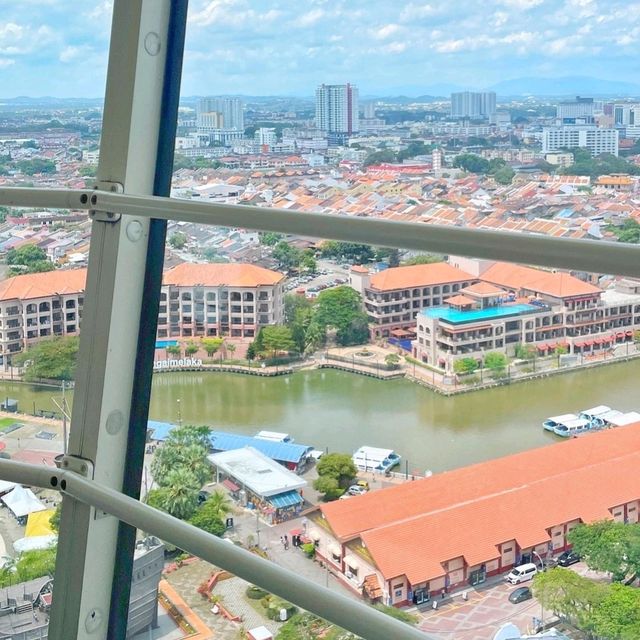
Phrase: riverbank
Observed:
(371, 361)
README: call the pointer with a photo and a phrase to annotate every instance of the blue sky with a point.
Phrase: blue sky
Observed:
(267, 47)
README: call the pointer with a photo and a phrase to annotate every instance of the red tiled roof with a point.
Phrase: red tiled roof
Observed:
(460, 301)
(559, 284)
(41, 285)
(412, 528)
(420, 275)
(215, 275)
(483, 288)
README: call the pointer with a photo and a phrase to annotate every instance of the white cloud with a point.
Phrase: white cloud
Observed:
(521, 5)
(103, 10)
(310, 18)
(388, 30)
(6, 62)
(73, 53)
(395, 47)
(416, 12)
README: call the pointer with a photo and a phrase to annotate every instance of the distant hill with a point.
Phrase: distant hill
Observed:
(565, 86)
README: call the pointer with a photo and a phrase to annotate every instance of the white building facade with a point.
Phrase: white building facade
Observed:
(594, 139)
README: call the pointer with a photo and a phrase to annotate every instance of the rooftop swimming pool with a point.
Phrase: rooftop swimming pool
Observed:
(456, 316)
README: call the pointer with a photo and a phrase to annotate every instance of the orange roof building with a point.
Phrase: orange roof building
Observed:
(458, 527)
(219, 299)
(393, 297)
(38, 306)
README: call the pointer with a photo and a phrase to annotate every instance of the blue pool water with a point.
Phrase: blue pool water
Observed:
(453, 315)
(163, 344)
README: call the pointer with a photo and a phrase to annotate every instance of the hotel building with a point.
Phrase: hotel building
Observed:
(39, 305)
(219, 299)
(393, 297)
(412, 542)
(513, 305)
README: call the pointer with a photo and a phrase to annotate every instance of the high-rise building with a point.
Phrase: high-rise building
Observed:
(337, 109)
(369, 110)
(626, 114)
(578, 111)
(469, 104)
(596, 140)
(229, 110)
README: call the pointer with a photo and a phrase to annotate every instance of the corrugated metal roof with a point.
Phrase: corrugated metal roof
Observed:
(281, 451)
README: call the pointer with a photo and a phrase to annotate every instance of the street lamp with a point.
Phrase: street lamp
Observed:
(537, 555)
(179, 413)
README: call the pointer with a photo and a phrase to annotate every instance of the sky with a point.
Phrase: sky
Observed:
(282, 47)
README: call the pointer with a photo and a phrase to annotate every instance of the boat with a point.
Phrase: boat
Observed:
(375, 459)
(623, 419)
(274, 436)
(571, 428)
(594, 415)
(550, 424)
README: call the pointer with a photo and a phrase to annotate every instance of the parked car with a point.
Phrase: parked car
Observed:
(522, 573)
(356, 490)
(568, 558)
(520, 595)
(364, 484)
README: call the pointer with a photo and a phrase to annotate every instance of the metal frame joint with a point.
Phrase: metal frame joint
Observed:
(98, 214)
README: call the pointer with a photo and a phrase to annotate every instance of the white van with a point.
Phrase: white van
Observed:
(522, 573)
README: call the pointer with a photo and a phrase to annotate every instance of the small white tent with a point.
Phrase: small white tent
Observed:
(22, 502)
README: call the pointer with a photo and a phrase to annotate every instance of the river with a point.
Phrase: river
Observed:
(343, 411)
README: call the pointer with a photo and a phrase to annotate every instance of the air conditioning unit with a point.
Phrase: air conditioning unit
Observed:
(348, 574)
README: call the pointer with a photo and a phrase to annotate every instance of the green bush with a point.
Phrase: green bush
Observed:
(309, 549)
(396, 613)
(273, 605)
(256, 593)
(469, 379)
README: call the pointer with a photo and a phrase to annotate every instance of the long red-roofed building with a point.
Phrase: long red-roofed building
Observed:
(414, 541)
(37, 306)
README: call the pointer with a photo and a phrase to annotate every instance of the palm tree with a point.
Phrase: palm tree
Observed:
(218, 504)
(180, 497)
(231, 348)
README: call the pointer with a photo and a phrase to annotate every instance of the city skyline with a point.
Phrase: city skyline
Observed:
(272, 48)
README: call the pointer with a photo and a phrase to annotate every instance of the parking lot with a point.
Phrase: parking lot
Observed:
(328, 275)
(486, 609)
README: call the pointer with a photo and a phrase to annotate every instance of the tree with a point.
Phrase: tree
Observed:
(211, 345)
(50, 359)
(29, 565)
(251, 352)
(379, 157)
(178, 240)
(179, 496)
(356, 332)
(629, 231)
(496, 362)
(28, 259)
(185, 448)
(191, 349)
(315, 337)
(336, 471)
(338, 307)
(618, 614)
(210, 516)
(608, 546)
(308, 262)
(424, 258)
(231, 349)
(392, 361)
(277, 338)
(525, 352)
(287, 256)
(36, 165)
(174, 350)
(504, 175)
(270, 239)
(568, 594)
(471, 162)
(465, 366)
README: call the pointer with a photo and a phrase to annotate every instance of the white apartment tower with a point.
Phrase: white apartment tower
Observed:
(469, 104)
(596, 140)
(337, 109)
(229, 113)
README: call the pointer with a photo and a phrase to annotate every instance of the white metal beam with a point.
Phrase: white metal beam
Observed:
(593, 256)
(104, 380)
(350, 614)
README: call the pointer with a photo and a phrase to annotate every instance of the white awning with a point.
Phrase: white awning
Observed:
(35, 542)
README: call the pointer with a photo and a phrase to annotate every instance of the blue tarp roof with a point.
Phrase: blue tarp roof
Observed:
(280, 451)
(287, 499)
(160, 429)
